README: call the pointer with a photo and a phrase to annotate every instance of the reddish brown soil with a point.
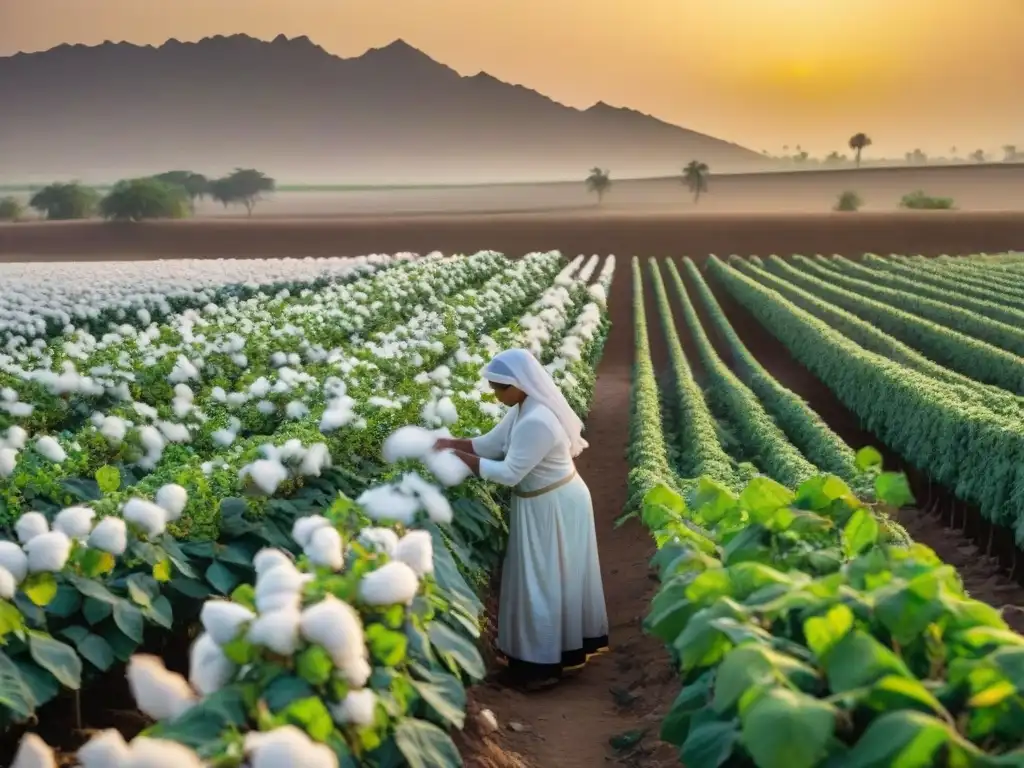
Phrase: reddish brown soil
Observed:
(697, 235)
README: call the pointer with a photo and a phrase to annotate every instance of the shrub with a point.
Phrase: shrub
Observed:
(849, 201)
(11, 209)
(147, 198)
(61, 202)
(919, 201)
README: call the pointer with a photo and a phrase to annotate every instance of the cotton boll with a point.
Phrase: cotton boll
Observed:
(30, 525)
(357, 708)
(209, 669)
(379, 539)
(409, 442)
(145, 752)
(336, 626)
(338, 414)
(326, 549)
(416, 549)
(48, 552)
(296, 410)
(75, 522)
(437, 506)
(110, 535)
(151, 439)
(172, 499)
(304, 527)
(269, 558)
(222, 619)
(14, 560)
(114, 429)
(285, 747)
(392, 583)
(107, 749)
(17, 438)
(280, 587)
(50, 449)
(267, 474)
(277, 630)
(161, 694)
(33, 752)
(175, 433)
(446, 411)
(387, 502)
(448, 468)
(8, 584)
(317, 458)
(150, 517)
(8, 461)
(223, 437)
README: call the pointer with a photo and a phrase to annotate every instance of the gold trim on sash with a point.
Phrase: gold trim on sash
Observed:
(546, 489)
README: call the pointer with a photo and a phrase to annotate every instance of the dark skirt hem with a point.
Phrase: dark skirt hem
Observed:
(571, 660)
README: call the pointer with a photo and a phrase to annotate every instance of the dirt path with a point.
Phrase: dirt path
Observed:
(629, 688)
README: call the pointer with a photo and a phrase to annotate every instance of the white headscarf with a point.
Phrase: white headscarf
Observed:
(520, 369)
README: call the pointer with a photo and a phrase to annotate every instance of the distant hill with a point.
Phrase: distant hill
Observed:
(290, 108)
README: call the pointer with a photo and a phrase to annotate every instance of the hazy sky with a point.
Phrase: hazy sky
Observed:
(910, 73)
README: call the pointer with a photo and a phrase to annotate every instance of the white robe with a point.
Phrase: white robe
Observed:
(552, 608)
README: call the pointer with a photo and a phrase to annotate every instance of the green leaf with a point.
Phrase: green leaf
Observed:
(784, 729)
(58, 659)
(95, 610)
(245, 594)
(40, 588)
(692, 699)
(763, 496)
(710, 744)
(314, 665)
(860, 533)
(15, 693)
(286, 690)
(311, 715)
(129, 620)
(893, 693)
(748, 666)
(240, 650)
(858, 660)
(142, 588)
(108, 479)
(386, 645)
(868, 458)
(823, 632)
(96, 651)
(893, 489)
(66, 603)
(424, 745)
(205, 723)
(445, 695)
(712, 500)
(96, 562)
(11, 620)
(162, 570)
(905, 739)
(221, 578)
(458, 651)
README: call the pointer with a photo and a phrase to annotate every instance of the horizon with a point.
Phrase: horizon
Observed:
(740, 81)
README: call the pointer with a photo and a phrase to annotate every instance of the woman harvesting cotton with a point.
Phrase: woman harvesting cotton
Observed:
(552, 612)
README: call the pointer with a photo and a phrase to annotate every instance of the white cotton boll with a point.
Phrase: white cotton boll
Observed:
(286, 747)
(30, 525)
(291, 451)
(75, 522)
(276, 630)
(222, 619)
(260, 388)
(339, 413)
(416, 549)
(437, 506)
(296, 410)
(266, 407)
(326, 549)
(48, 552)
(175, 433)
(183, 392)
(107, 749)
(268, 558)
(223, 437)
(448, 468)
(392, 583)
(8, 584)
(33, 752)
(114, 429)
(20, 410)
(304, 528)
(8, 462)
(50, 449)
(446, 411)
(158, 693)
(150, 517)
(180, 407)
(280, 587)
(8, 395)
(240, 360)
(209, 669)
(172, 498)
(267, 474)
(387, 502)
(110, 535)
(379, 539)
(335, 625)
(145, 752)
(317, 459)
(409, 442)
(357, 708)
(151, 439)
(17, 438)
(218, 394)
(183, 371)
(237, 399)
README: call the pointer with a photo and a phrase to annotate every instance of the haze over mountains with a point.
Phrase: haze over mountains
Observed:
(288, 107)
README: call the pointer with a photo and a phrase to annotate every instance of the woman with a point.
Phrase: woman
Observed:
(552, 614)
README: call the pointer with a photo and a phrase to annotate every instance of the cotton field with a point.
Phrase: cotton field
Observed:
(252, 443)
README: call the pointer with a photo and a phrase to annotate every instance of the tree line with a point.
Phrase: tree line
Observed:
(169, 195)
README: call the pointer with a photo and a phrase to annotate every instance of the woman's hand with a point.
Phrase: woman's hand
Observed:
(443, 444)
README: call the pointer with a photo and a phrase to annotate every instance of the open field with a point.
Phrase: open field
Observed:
(756, 374)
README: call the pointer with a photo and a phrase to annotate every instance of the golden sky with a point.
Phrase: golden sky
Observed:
(764, 73)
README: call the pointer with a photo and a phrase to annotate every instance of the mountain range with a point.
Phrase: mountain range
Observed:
(288, 107)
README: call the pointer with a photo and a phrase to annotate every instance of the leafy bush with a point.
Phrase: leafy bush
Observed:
(147, 198)
(62, 202)
(919, 201)
(246, 186)
(849, 201)
(11, 209)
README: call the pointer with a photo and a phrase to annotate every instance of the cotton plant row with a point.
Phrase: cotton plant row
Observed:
(41, 299)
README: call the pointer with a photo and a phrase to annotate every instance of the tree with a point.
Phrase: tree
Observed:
(834, 159)
(978, 156)
(61, 202)
(917, 157)
(858, 142)
(245, 186)
(11, 209)
(148, 198)
(1010, 153)
(695, 177)
(599, 181)
(196, 185)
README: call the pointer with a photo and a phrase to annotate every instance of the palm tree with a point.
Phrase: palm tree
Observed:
(858, 142)
(695, 176)
(599, 181)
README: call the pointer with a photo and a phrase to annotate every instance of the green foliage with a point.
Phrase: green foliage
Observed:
(919, 201)
(196, 185)
(849, 201)
(245, 186)
(138, 199)
(63, 202)
(11, 209)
